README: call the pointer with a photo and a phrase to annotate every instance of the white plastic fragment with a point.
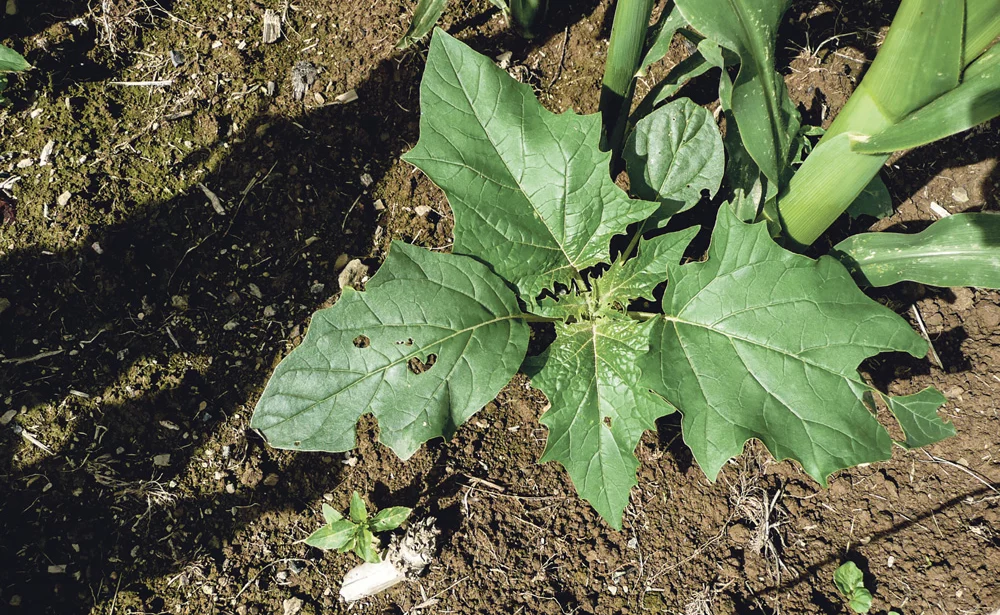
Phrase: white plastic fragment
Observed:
(405, 559)
(939, 211)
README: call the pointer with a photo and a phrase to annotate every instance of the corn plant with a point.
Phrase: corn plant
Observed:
(755, 341)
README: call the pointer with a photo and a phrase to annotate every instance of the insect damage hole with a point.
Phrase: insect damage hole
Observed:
(362, 341)
(418, 367)
(607, 422)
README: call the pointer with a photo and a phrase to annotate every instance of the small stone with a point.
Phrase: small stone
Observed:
(379, 205)
(612, 589)
(229, 326)
(271, 88)
(270, 480)
(961, 195)
(4, 304)
(64, 198)
(57, 569)
(318, 98)
(24, 163)
(346, 97)
(15, 600)
(179, 302)
(8, 417)
(341, 262)
(230, 488)
(296, 566)
(207, 589)
(366, 180)
(96, 247)
(255, 291)
(233, 298)
(43, 157)
(176, 58)
(269, 312)
(353, 275)
(162, 460)
(421, 210)
(317, 288)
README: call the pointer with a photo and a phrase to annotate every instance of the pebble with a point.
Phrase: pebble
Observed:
(230, 488)
(255, 291)
(64, 198)
(341, 262)
(4, 304)
(354, 274)
(269, 312)
(179, 302)
(7, 417)
(317, 288)
(270, 480)
(162, 460)
(422, 210)
(96, 247)
(207, 589)
(229, 326)
(961, 195)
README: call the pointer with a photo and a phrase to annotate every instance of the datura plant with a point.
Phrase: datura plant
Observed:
(753, 341)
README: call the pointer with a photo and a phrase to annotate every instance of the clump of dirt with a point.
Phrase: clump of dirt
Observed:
(143, 319)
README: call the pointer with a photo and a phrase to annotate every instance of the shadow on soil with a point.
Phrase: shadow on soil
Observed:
(171, 286)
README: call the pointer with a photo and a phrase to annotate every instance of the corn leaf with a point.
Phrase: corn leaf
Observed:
(530, 189)
(960, 250)
(767, 119)
(659, 37)
(502, 5)
(673, 155)
(974, 101)
(371, 353)
(759, 342)
(598, 412)
(427, 13)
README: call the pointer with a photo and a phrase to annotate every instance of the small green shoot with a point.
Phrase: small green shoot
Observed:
(356, 532)
(851, 583)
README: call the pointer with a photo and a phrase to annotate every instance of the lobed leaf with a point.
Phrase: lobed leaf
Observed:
(530, 189)
(599, 411)
(673, 155)
(371, 352)
(960, 250)
(917, 415)
(638, 276)
(759, 342)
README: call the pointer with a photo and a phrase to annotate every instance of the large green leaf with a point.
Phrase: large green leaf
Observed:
(427, 13)
(673, 155)
(759, 342)
(917, 415)
(598, 412)
(637, 277)
(767, 119)
(530, 189)
(370, 351)
(960, 250)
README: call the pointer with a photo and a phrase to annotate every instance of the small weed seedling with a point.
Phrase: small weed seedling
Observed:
(356, 532)
(753, 341)
(851, 582)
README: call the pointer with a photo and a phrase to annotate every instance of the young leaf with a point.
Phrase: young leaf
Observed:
(389, 518)
(960, 250)
(530, 189)
(850, 581)
(659, 37)
(598, 412)
(874, 201)
(12, 61)
(861, 601)
(917, 415)
(333, 536)
(359, 512)
(367, 546)
(330, 514)
(759, 342)
(427, 13)
(370, 353)
(637, 277)
(768, 121)
(674, 154)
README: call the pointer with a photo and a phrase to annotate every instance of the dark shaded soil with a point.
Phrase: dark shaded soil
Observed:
(143, 324)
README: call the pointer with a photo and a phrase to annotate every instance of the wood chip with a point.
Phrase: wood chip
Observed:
(272, 26)
(213, 199)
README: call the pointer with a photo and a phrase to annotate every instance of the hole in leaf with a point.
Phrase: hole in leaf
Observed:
(408, 342)
(362, 341)
(418, 367)
(607, 421)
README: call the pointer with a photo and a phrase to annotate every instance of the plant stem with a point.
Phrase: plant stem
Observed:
(643, 316)
(528, 16)
(628, 37)
(536, 318)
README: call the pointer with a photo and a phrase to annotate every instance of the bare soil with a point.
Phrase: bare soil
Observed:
(142, 325)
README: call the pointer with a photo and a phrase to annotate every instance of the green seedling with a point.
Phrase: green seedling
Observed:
(754, 341)
(10, 62)
(356, 532)
(851, 582)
